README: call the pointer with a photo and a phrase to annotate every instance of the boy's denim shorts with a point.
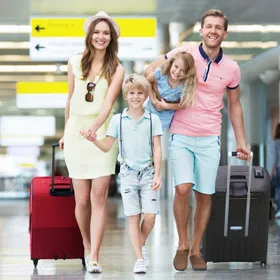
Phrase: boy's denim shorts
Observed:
(136, 190)
(195, 160)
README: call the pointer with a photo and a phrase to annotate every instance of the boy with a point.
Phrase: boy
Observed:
(140, 157)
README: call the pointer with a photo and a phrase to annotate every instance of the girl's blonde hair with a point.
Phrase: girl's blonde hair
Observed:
(190, 79)
(136, 81)
(111, 60)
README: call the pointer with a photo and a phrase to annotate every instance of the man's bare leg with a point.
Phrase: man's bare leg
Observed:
(181, 208)
(201, 218)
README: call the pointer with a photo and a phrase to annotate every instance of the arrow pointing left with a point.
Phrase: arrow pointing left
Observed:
(38, 47)
(38, 28)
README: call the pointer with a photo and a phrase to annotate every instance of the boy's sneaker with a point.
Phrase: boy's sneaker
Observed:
(145, 254)
(139, 266)
(277, 215)
(94, 267)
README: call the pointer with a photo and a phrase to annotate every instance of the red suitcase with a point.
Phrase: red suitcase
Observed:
(54, 233)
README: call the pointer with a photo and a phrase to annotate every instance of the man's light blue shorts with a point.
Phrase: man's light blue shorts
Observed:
(195, 160)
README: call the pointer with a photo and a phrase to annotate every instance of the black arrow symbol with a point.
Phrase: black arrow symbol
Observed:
(38, 28)
(38, 47)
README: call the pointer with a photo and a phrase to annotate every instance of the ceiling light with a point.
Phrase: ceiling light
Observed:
(10, 58)
(28, 68)
(240, 57)
(15, 28)
(63, 68)
(240, 28)
(15, 45)
(238, 45)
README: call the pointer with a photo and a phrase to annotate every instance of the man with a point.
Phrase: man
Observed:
(195, 133)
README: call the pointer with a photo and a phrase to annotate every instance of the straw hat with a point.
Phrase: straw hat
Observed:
(99, 15)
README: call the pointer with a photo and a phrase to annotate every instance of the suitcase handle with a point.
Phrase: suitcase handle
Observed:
(58, 191)
(248, 200)
(238, 185)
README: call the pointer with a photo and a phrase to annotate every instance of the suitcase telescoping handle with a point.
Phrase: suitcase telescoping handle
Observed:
(59, 191)
(248, 200)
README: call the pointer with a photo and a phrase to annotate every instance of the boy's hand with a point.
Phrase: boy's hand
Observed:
(157, 183)
(89, 133)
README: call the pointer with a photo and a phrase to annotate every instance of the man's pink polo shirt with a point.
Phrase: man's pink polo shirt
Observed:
(214, 77)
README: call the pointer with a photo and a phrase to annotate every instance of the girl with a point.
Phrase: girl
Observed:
(175, 82)
(94, 79)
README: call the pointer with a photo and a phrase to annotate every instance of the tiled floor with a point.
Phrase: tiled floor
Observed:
(117, 257)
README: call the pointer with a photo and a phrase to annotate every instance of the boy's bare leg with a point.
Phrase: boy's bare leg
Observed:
(147, 226)
(135, 234)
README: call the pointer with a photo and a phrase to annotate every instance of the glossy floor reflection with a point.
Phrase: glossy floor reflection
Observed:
(117, 258)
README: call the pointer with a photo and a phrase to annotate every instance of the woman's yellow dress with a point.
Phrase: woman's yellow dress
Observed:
(83, 159)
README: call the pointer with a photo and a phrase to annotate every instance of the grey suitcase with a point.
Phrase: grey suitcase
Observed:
(238, 227)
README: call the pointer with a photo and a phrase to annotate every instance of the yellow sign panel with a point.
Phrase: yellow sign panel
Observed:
(73, 27)
(42, 87)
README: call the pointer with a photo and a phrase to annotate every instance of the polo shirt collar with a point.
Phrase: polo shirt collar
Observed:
(145, 115)
(205, 56)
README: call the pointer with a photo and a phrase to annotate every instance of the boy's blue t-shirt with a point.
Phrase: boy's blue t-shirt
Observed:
(136, 138)
(169, 94)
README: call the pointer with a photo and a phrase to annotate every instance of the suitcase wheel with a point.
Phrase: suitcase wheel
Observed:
(83, 262)
(35, 262)
(263, 263)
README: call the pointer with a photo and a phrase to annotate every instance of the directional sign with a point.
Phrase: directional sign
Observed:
(60, 38)
(41, 94)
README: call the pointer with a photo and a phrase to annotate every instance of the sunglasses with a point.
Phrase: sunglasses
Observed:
(89, 96)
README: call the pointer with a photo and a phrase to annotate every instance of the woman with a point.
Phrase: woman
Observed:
(275, 172)
(94, 78)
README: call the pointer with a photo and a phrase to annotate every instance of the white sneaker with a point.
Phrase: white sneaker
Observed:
(145, 254)
(139, 266)
(277, 215)
(94, 267)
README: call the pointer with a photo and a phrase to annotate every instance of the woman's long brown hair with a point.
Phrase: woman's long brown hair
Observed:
(111, 60)
(190, 79)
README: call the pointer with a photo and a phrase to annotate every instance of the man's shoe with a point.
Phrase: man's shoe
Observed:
(198, 263)
(180, 261)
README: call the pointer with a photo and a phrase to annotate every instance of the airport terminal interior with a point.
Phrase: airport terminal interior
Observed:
(37, 38)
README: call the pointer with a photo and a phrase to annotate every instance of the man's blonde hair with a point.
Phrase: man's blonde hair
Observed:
(215, 13)
(135, 81)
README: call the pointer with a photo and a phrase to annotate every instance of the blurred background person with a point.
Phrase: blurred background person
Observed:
(275, 171)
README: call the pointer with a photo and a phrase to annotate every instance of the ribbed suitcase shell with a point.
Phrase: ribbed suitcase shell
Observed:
(235, 247)
(54, 233)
